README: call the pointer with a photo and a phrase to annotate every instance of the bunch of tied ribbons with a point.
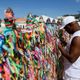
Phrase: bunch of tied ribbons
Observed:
(33, 58)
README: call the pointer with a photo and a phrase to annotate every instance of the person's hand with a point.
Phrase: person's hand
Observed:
(59, 46)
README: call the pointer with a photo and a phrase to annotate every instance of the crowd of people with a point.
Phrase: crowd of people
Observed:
(36, 51)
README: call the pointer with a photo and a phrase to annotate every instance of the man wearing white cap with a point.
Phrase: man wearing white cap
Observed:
(72, 52)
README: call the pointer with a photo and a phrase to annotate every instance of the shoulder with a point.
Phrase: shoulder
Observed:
(76, 40)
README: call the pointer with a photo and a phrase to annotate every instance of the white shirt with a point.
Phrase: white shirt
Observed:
(72, 69)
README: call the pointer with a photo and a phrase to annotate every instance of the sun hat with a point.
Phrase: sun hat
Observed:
(67, 20)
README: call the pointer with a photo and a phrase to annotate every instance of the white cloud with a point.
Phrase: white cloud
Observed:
(77, 1)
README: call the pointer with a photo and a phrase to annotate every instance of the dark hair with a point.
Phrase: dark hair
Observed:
(48, 21)
(9, 10)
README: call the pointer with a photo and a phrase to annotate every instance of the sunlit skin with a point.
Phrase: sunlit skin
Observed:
(74, 51)
(8, 15)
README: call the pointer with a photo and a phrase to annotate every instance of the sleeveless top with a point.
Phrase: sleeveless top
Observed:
(72, 69)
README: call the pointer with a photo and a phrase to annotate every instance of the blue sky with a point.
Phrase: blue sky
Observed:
(52, 8)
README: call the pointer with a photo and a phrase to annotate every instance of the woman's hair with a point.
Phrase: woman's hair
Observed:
(9, 10)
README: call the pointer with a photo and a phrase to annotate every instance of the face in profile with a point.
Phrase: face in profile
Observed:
(70, 28)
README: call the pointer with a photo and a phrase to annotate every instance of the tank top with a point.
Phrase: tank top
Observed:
(72, 69)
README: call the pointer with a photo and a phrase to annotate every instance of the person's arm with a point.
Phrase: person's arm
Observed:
(74, 51)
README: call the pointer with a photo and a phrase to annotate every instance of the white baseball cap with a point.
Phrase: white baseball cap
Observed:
(67, 20)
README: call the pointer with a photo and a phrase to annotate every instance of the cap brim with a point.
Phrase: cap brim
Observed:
(62, 27)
